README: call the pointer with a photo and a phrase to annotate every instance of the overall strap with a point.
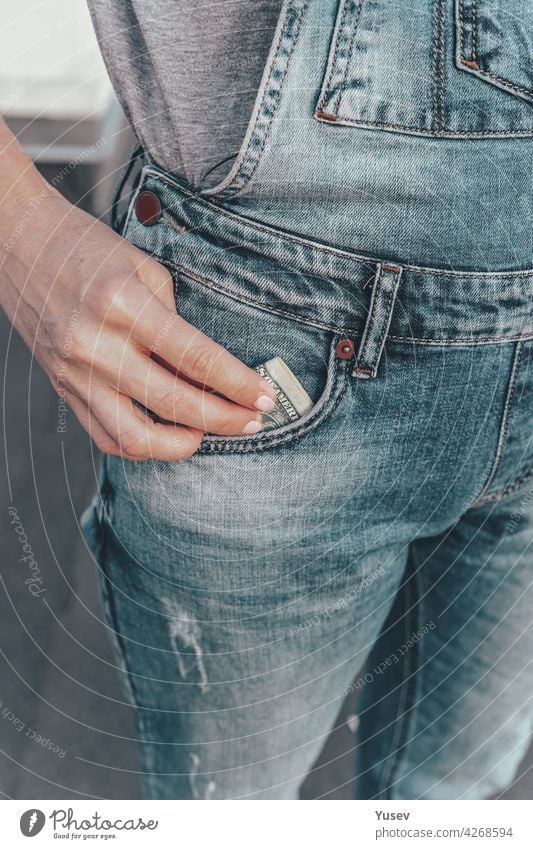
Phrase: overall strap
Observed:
(135, 154)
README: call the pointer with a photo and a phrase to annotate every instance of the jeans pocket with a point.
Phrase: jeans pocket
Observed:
(255, 333)
(495, 43)
(406, 72)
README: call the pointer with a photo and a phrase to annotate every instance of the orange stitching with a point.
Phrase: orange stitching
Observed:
(471, 63)
(325, 116)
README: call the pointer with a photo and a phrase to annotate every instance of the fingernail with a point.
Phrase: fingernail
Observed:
(265, 404)
(252, 427)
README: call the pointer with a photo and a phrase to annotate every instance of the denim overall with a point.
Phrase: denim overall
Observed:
(375, 232)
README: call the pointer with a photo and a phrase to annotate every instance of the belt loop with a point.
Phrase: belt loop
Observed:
(378, 321)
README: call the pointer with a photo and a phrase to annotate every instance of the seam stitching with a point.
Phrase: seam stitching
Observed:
(238, 296)
(434, 66)
(303, 319)
(485, 340)
(504, 425)
(367, 333)
(336, 48)
(508, 490)
(338, 96)
(474, 31)
(442, 54)
(438, 66)
(474, 51)
(240, 172)
(460, 5)
(369, 263)
(275, 442)
(382, 302)
(388, 306)
(417, 131)
(260, 438)
(262, 442)
(505, 81)
(251, 159)
(405, 717)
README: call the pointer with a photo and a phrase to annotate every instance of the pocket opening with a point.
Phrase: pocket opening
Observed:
(321, 409)
(333, 386)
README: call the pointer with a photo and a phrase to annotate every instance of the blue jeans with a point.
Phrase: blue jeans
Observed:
(375, 233)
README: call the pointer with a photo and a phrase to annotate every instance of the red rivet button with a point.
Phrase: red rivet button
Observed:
(148, 208)
(345, 349)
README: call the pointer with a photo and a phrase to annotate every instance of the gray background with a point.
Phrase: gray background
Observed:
(57, 669)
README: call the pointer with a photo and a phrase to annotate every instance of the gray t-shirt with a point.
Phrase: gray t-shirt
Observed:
(187, 75)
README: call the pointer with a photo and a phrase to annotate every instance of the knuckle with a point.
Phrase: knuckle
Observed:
(79, 347)
(110, 296)
(83, 345)
(169, 403)
(203, 360)
(243, 388)
(135, 444)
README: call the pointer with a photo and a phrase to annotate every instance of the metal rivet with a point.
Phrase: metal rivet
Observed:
(148, 208)
(345, 349)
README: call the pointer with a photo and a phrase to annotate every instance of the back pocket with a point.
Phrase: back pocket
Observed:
(496, 43)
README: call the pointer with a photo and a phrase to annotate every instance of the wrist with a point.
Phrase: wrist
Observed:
(22, 192)
(26, 219)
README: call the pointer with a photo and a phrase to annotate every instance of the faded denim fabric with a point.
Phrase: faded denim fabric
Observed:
(382, 542)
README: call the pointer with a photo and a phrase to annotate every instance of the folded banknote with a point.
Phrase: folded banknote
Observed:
(292, 399)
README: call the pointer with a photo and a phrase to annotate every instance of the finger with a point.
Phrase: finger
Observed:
(137, 436)
(177, 400)
(99, 435)
(192, 352)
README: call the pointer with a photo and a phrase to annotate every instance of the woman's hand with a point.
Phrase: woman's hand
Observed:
(99, 315)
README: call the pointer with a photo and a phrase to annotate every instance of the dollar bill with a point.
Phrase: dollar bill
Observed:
(292, 399)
